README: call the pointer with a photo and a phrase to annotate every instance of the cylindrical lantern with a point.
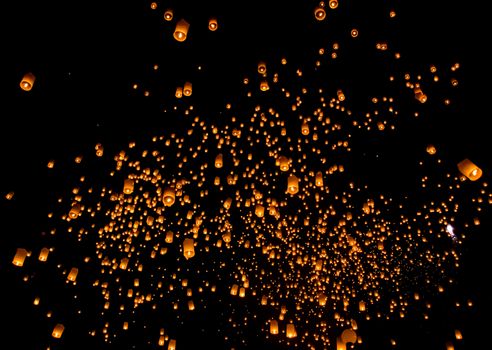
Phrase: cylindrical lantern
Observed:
(179, 92)
(273, 327)
(58, 331)
(169, 196)
(333, 4)
(234, 289)
(74, 211)
(261, 67)
(43, 255)
(362, 306)
(291, 331)
(19, 257)
(124, 263)
(264, 85)
(470, 170)
(259, 210)
(72, 276)
(319, 13)
(292, 184)
(27, 81)
(340, 95)
(212, 24)
(187, 89)
(264, 300)
(169, 237)
(188, 248)
(283, 163)
(431, 149)
(128, 186)
(319, 179)
(226, 237)
(242, 292)
(227, 203)
(322, 298)
(181, 30)
(168, 14)
(172, 345)
(218, 161)
(191, 305)
(305, 128)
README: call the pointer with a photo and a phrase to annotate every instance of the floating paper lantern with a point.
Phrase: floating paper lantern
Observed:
(179, 92)
(172, 345)
(128, 186)
(319, 179)
(74, 211)
(469, 169)
(283, 163)
(27, 81)
(188, 248)
(20, 257)
(292, 184)
(72, 276)
(431, 149)
(291, 331)
(187, 89)
(319, 13)
(333, 4)
(262, 67)
(181, 30)
(349, 336)
(273, 327)
(58, 331)
(168, 197)
(212, 24)
(168, 14)
(43, 255)
(264, 85)
(219, 161)
(259, 210)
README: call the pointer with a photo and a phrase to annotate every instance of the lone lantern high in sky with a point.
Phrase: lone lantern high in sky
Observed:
(181, 30)
(27, 81)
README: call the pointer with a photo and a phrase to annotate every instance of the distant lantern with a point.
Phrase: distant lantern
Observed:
(234, 289)
(187, 89)
(74, 211)
(128, 186)
(212, 24)
(470, 170)
(322, 298)
(292, 184)
(362, 306)
(218, 161)
(242, 292)
(72, 276)
(354, 33)
(227, 203)
(419, 95)
(179, 92)
(169, 237)
(264, 300)
(58, 331)
(162, 340)
(264, 85)
(273, 327)
(191, 305)
(349, 336)
(259, 210)
(318, 181)
(333, 4)
(181, 30)
(458, 335)
(43, 255)
(153, 5)
(27, 81)
(124, 263)
(340, 344)
(168, 197)
(99, 150)
(319, 13)
(168, 14)
(340, 95)
(283, 163)
(188, 248)
(262, 67)
(431, 149)
(291, 331)
(125, 325)
(305, 128)
(19, 257)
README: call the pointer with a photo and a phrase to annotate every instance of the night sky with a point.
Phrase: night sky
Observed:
(394, 225)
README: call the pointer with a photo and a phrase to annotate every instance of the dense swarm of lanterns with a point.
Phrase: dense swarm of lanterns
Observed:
(263, 208)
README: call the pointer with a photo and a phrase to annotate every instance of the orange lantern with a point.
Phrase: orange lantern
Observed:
(469, 169)
(181, 30)
(20, 257)
(27, 81)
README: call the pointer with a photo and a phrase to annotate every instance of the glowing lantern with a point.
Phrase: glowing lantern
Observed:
(168, 14)
(172, 345)
(273, 327)
(340, 344)
(261, 67)
(340, 95)
(124, 263)
(179, 92)
(291, 331)
(181, 30)
(458, 335)
(226, 237)
(188, 248)
(431, 149)
(58, 331)
(322, 298)
(362, 306)
(191, 305)
(319, 13)
(264, 85)
(161, 341)
(292, 184)
(125, 325)
(99, 150)
(36, 301)
(169, 237)
(349, 336)
(128, 186)
(43, 255)
(187, 89)
(74, 211)
(27, 81)
(168, 197)
(234, 289)
(242, 292)
(264, 300)
(227, 203)
(470, 170)
(319, 179)
(259, 210)
(449, 346)
(19, 257)
(284, 163)
(305, 128)
(333, 4)
(72, 276)
(212, 24)
(218, 161)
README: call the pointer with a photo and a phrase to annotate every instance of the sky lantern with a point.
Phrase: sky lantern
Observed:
(20, 257)
(212, 24)
(283, 163)
(319, 179)
(273, 327)
(333, 4)
(291, 331)
(188, 248)
(187, 89)
(27, 81)
(219, 161)
(58, 331)
(74, 211)
(349, 336)
(128, 185)
(469, 169)
(292, 184)
(181, 30)
(262, 67)
(43, 254)
(168, 197)
(319, 13)
(168, 15)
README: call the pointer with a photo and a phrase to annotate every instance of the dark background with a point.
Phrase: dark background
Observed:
(86, 57)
